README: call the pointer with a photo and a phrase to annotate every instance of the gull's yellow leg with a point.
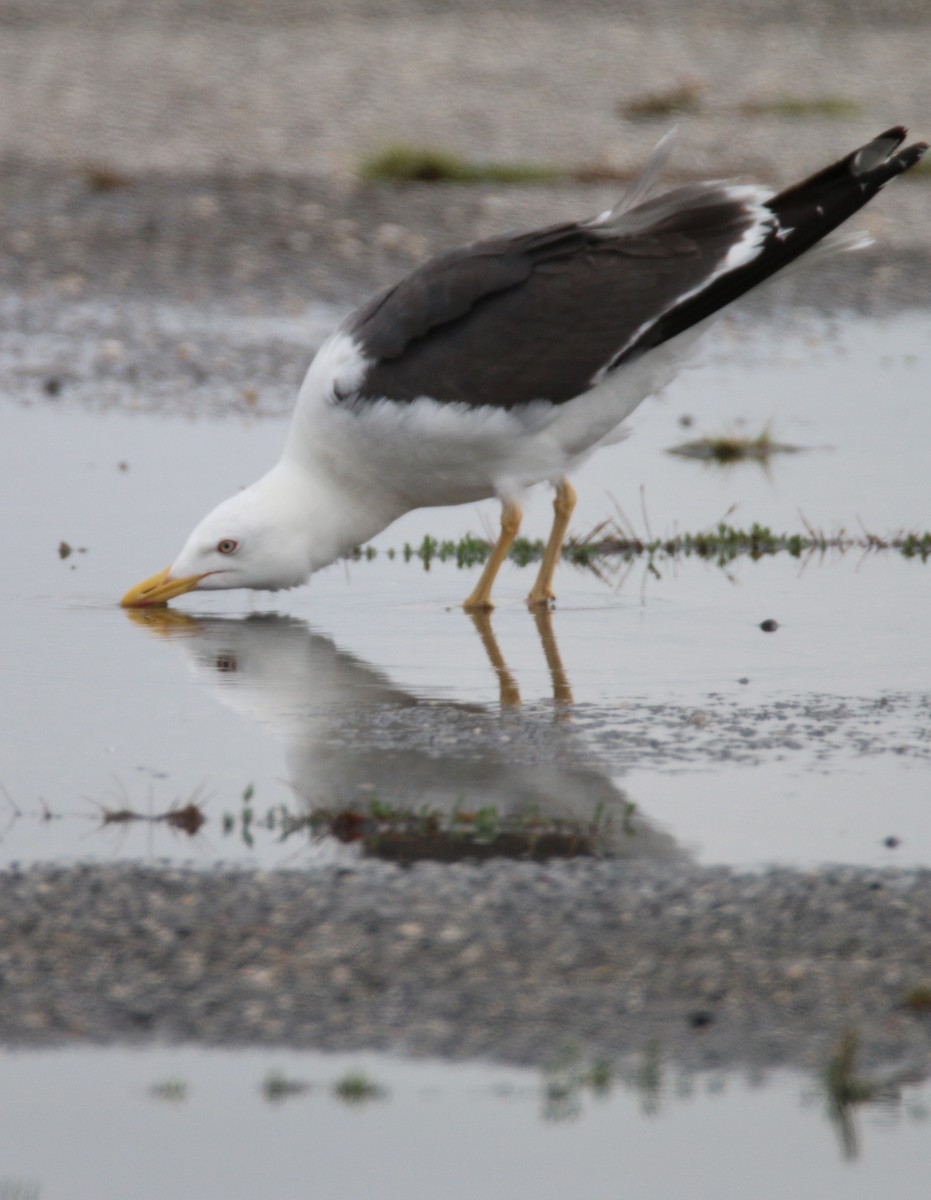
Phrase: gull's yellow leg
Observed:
(480, 600)
(563, 503)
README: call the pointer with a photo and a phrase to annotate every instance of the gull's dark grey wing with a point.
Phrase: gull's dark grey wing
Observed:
(535, 316)
(544, 315)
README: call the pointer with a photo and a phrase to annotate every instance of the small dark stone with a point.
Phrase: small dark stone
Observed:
(769, 625)
(52, 386)
(701, 1019)
(891, 842)
(743, 679)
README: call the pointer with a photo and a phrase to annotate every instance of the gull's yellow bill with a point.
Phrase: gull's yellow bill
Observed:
(159, 589)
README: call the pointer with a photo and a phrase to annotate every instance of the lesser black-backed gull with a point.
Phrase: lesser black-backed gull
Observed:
(507, 363)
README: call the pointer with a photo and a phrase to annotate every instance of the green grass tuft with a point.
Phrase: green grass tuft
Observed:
(844, 1087)
(173, 1090)
(722, 545)
(835, 108)
(918, 999)
(568, 1078)
(684, 97)
(420, 164)
(356, 1088)
(277, 1087)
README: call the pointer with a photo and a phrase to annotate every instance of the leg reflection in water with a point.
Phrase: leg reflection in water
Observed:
(509, 690)
(355, 741)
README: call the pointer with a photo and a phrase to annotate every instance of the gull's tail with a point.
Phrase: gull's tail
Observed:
(785, 226)
(809, 211)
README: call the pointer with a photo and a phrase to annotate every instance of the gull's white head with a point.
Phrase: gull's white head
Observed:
(263, 537)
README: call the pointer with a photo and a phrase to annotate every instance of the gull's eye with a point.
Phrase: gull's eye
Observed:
(228, 546)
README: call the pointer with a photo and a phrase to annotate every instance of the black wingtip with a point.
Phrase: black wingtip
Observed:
(897, 134)
(912, 154)
(877, 162)
(877, 152)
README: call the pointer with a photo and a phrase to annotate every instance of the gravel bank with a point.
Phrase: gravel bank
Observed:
(237, 130)
(504, 962)
(308, 88)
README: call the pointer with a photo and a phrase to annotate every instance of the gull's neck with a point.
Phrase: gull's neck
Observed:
(330, 515)
(323, 465)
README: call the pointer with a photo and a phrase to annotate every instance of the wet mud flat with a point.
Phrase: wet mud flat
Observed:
(507, 962)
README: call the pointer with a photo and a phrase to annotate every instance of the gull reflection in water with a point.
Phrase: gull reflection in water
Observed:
(352, 737)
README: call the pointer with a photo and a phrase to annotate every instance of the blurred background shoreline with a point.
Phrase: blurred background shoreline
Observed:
(237, 150)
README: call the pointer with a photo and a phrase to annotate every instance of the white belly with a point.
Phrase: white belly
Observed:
(425, 453)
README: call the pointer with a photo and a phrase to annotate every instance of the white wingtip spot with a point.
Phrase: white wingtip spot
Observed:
(765, 222)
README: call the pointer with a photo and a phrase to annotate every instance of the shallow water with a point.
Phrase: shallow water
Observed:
(193, 1123)
(805, 745)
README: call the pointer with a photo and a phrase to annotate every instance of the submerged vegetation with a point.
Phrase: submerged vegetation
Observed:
(407, 835)
(187, 818)
(722, 544)
(404, 834)
(845, 1089)
(727, 448)
(568, 1078)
